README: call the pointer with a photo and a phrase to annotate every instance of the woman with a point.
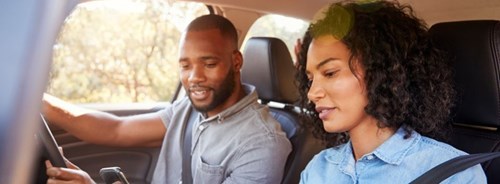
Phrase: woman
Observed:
(378, 92)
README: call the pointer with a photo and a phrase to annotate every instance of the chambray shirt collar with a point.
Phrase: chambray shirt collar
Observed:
(392, 151)
(250, 98)
(396, 148)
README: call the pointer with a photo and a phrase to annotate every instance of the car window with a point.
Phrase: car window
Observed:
(285, 28)
(120, 51)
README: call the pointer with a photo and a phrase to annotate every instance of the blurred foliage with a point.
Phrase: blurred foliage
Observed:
(121, 51)
(118, 53)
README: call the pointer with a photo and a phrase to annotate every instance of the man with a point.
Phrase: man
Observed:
(234, 139)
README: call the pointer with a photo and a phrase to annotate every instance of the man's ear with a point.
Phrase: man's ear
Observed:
(238, 60)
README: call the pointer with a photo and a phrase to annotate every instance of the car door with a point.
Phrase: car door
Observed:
(137, 163)
(120, 58)
(27, 33)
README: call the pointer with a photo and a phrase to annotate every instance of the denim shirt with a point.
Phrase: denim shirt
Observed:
(397, 160)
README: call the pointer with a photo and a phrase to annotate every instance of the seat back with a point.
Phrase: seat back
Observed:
(268, 66)
(475, 50)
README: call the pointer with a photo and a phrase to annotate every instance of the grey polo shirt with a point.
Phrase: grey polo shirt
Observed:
(242, 144)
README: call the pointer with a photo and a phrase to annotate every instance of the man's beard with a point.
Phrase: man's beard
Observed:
(220, 95)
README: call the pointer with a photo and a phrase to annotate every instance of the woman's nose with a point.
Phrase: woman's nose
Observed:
(316, 92)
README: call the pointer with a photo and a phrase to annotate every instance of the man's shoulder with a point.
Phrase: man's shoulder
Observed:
(260, 116)
(184, 101)
(261, 127)
(179, 105)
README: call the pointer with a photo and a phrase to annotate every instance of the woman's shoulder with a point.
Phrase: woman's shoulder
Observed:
(438, 152)
(428, 153)
(427, 144)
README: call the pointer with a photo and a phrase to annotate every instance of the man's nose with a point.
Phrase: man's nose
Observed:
(196, 75)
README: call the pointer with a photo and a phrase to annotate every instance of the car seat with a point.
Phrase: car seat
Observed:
(475, 50)
(268, 66)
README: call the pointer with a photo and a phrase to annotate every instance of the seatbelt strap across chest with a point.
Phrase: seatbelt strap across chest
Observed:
(450, 167)
(186, 149)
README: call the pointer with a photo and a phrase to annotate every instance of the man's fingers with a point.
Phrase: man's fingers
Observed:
(48, 164)
(64, 174)
(297, 48)
(56, 181)
(298, 45)
(70, 165)
(53, 172)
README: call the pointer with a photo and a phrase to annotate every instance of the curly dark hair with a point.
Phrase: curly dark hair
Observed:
(408, 80)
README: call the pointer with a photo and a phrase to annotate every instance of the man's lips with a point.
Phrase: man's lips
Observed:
(199, 93)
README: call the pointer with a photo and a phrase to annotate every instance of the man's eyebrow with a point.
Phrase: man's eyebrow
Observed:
(203, 58)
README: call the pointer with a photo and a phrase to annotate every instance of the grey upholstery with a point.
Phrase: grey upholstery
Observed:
(475, 49)
(268, 66)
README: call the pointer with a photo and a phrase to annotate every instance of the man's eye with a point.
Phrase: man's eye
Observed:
(211, 65)
(309, 83)
(184, 66)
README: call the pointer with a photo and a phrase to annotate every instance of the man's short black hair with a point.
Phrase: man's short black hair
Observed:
(212, 21)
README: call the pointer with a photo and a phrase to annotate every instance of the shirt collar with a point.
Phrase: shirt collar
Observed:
(392, 151)
(339, 154)
(396, 147)
(343, 157)
(250, 98)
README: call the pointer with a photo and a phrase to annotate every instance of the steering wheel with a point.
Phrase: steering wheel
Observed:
(49, 145)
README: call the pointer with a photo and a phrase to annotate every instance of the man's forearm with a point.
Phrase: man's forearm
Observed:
(88, 125)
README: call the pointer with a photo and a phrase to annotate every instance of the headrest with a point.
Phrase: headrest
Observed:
(268, 65)
(474, 48)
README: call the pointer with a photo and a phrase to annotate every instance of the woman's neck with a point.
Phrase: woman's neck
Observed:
(367, 137)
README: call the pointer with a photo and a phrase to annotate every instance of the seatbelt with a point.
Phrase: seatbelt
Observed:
(186, 149)
(452, 166)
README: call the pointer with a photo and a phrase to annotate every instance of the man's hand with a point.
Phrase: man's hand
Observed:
(72, 174)
(297, 49)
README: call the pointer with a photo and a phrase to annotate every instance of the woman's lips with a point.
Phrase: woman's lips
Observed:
(323, 112)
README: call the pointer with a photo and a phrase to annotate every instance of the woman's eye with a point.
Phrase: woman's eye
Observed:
(330, 73)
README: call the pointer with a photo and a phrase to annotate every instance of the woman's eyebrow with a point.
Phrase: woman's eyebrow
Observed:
(327, 60)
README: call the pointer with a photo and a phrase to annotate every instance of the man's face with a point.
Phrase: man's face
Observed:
(208, 70)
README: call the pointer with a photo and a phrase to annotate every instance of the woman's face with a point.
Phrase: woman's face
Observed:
(340, 97)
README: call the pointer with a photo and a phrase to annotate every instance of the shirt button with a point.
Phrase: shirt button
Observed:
(369, 157)
(201, 127)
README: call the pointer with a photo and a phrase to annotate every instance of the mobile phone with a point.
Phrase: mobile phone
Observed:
(113, 175)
